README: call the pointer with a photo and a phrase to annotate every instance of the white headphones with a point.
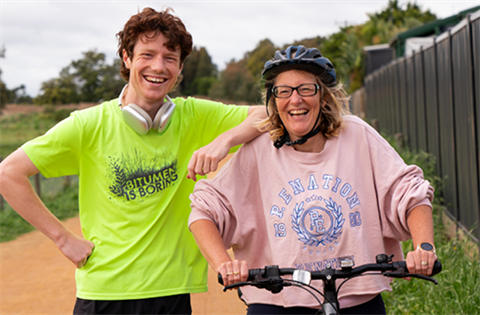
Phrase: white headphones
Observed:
(140, 121)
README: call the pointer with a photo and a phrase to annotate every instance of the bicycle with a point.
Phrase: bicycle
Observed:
(269, 278)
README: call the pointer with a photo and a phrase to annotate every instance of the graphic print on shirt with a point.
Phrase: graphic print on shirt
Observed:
(318, 225)
(317, 221)
(135, 176)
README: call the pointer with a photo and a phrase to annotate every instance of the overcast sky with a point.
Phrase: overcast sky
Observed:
(42, 37)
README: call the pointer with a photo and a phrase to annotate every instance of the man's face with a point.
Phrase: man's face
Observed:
(154, 69)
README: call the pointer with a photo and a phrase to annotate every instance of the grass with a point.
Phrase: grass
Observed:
(15, 130)
(61, 201)
(458, 289)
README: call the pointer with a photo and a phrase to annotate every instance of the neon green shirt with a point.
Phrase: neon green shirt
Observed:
(134, 195)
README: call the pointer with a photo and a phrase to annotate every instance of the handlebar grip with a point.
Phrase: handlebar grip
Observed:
(437, 267)
(252, 273)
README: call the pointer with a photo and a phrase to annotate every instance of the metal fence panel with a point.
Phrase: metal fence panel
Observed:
(475, 35)
(396, 98)
(467, 167)
(370, 97)
(382, 103)
(402, 76)
(411, 103)
(388, 110)
(420, 102)
(447, 124)
(431, 104)
(433, 98)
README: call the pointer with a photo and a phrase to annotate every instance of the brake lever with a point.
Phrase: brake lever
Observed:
(413, 275)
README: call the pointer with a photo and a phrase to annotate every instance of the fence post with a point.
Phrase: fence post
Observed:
(38, 185)
(1, 197)
(66, 183)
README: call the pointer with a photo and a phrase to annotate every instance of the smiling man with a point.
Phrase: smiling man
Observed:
(133, 156)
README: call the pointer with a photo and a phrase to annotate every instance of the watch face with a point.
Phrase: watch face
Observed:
(427, 247)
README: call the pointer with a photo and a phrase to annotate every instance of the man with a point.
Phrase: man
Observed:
(133, 156)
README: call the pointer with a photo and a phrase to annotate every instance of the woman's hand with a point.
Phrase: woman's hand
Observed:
(421, 261)
(420, 223)
(233, 271)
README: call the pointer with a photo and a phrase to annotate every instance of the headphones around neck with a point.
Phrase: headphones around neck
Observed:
(140, 121)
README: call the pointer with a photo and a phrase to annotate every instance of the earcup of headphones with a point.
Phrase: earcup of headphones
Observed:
(137, 118)
(162, 118)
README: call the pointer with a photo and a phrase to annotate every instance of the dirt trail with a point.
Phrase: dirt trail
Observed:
(35, 278)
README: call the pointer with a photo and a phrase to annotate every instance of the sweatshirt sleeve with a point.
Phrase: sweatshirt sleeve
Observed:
(224, 199)
(399, 187)
(210, 204)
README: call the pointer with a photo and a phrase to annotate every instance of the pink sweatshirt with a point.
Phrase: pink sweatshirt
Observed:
(304, 210)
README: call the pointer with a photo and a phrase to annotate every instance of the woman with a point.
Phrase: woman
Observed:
(329, 186)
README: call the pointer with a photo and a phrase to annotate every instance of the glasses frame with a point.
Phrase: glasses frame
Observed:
(274, 90)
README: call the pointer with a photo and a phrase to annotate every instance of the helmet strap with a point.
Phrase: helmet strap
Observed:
(285, 138)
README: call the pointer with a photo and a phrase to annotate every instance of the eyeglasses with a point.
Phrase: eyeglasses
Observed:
(284, 91)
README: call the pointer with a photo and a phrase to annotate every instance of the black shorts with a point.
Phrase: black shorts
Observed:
(374, 306)
(175, 304)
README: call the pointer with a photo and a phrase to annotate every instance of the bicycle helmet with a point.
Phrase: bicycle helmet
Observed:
(301, 58)
(298, 58)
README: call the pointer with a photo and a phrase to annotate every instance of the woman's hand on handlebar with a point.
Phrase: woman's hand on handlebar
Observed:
(421, 262)
(233, 271)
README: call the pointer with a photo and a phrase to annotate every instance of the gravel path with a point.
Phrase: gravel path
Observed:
(35, 278)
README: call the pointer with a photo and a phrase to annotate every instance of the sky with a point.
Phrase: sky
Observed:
(43, 37)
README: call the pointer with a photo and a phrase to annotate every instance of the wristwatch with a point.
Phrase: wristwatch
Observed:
(426, 247)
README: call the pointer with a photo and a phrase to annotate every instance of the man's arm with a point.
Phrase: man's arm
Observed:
(206, 159)
(19, 193)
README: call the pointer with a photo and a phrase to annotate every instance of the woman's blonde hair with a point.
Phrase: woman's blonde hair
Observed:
(335, 106)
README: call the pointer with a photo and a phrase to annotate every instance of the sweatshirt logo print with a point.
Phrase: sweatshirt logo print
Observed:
(135, 176)
(318, 225)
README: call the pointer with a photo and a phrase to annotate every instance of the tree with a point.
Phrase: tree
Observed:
(62, 90)
(89, 79)
(4, 95)
(199, 73)
(19, 95)
(4, 92)
(398, 17)
(111, 82)
(236, 84)
(255, 60)
(345, 48)
(88, 75)
(310, 42)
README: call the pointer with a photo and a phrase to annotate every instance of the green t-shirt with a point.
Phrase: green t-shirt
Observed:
(134, 195)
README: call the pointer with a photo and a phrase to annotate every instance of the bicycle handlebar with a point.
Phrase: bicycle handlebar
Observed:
(387, 268)
(269, 278)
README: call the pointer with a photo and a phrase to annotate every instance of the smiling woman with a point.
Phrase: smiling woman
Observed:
(330, 186)
(314, 111)
(300, 111)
